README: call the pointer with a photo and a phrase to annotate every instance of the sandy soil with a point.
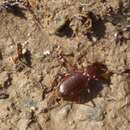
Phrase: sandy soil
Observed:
(48, 32)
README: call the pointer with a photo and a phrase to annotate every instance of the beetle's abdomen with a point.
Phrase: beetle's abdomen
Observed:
(73, 85)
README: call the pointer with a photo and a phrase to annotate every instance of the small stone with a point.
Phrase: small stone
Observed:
(60, 114)
(34, 126)
(39, 56)
(33, 108)
(94, 39)
(22, 124)
(25, 44)
(24, 51)
(72, 124)
(47, 52)
(90, 113)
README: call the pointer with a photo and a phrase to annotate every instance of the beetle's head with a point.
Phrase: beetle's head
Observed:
(96, 70)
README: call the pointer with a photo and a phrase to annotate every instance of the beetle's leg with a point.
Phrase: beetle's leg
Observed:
(52, 99)
(106, 76)
(93, 103)
(55, 81)
(68, 103)
(65, 63)
(70, 68)
(60, 101)
(14, 59)
(79, 99)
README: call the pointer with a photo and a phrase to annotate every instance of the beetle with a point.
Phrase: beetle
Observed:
(74, 84)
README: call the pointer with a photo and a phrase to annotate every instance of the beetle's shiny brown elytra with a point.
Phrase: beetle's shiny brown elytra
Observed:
(77, 82)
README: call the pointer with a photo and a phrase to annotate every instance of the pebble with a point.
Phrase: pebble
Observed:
(41, 56)
(24, 51)
(34, 126)
(90, 113)
(47, 52)
(22, 124)
(60, 114)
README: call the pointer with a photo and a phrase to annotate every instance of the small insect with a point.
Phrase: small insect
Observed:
(74, 84)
